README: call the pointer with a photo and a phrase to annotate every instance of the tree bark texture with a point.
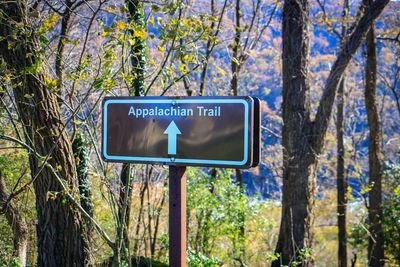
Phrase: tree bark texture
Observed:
(375, 156)
(17, 224)
(124, 205)
(138, 57)
(236, 50)
(139, 50)
(341, 184)
(299, 162)
(303, 138)
(82, 158)
(66, 16)
(138, 62)
(59, 229)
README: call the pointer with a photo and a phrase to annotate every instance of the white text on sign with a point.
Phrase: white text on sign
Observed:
(175, 111)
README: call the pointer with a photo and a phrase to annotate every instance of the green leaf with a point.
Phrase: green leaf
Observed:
(44, 39)
(155, 8)
(36, 67)
(98, 82)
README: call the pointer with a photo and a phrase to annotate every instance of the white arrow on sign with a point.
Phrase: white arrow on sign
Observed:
(172, 131)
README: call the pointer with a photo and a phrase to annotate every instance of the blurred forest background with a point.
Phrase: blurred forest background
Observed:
(61, 204)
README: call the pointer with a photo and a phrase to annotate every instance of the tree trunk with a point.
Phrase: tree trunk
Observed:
(66, 16)
(376, 239)
(59, 227)
(235, 64)
(235, 67)
(81, 155)
(138, 56)
(124, 206)
(302, 138)
(341, 183)
(17, 224)
(299, 162)
(340, 168)
(139, 50)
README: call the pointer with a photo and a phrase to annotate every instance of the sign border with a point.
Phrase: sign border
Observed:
(256, 132)
(247, 161)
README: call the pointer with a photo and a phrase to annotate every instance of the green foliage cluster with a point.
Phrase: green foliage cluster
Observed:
(218, 207)
(81, 154)
(194, 258)
(221, 217)
(391, 217)
(391, 213)
(14, 169)
(12, 262)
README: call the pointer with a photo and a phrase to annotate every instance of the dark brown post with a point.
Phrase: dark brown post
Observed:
(177, 216)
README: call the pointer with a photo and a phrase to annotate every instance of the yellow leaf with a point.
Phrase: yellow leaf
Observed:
(50, 22)
(162, 49)
(51, 83)
(132, 42)
(397, 191)
(53, 18)
(221, 71)
(357, 167)
(121, 25)
(151, 22)
(139, 34)
(182, 68)
(111, 9)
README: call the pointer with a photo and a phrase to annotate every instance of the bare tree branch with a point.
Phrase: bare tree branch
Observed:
(391, 39)
(350, 46)
(210, 45)
(271, 132)
(327, 20)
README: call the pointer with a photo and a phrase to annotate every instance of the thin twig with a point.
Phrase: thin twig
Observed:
(327, 21)
(168, 54)
(178, 79)
(271, 132)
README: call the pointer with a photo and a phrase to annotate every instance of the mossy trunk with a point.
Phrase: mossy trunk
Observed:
(59, 226)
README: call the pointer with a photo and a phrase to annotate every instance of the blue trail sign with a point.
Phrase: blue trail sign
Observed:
(196, 131)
